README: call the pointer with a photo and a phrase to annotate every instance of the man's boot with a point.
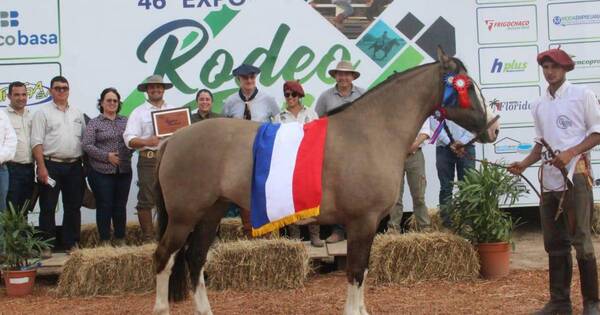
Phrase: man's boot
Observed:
(294, 232)
(561, 271)
(315, 238)
(246, 224)
(588, 275)
(146, 225)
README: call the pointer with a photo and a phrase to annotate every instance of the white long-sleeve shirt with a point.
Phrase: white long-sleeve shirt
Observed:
(8, 139)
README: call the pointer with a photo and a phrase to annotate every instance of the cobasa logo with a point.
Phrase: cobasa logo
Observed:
(10, 20)
(508, 25)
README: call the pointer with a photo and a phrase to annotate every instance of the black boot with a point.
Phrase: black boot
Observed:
(561, 271)
(588, 274)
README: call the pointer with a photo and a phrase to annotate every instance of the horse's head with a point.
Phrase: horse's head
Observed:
(469, 108)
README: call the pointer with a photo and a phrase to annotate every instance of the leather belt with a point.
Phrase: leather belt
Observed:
(61, 160)
(149, 154)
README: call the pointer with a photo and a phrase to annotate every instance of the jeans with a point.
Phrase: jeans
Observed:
(69, 180)
(111, 192)
(4, 178)
(20, 187)
(447, 163)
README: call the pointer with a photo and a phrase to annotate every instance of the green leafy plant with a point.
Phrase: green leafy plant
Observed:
(475, 206)
(21, 243)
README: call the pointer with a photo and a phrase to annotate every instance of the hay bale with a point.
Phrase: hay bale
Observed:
(258, 264)
(414, 257)
(89, 237)
(108, 271)
(596, 219)
(231, 230)
(434, 215)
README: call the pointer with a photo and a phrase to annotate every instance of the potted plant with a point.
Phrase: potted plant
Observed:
(22, 246)
(475, 214)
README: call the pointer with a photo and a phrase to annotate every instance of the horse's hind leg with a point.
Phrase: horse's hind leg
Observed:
(201, 240)
(360, 239)
(171, 242)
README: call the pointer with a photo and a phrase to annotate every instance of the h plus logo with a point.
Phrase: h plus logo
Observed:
(513, 66)
(9, 19)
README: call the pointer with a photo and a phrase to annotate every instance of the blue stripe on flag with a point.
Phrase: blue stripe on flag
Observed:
(263, 151)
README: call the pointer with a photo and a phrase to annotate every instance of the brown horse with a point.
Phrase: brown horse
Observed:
(204, 168)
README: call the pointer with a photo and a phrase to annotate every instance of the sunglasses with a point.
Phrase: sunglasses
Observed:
(61, 88)
(248, 77)
(292, 94)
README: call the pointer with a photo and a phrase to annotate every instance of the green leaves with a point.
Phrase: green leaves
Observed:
(22, 244)
(475, 206)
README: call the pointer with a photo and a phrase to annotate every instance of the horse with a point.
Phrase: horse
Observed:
(205, 167)
(386, 48)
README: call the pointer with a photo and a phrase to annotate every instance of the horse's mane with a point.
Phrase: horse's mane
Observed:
(389, 79)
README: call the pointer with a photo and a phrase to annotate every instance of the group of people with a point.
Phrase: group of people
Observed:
(58, 148)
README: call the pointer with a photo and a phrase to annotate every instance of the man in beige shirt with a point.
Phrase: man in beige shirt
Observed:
(20, 168)
(56, 133)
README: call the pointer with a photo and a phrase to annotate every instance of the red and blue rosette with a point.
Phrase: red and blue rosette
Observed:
(461, 84)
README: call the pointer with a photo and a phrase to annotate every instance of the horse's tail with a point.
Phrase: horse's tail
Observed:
(178, 280)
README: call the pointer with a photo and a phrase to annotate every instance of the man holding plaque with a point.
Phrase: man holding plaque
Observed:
(141, 135)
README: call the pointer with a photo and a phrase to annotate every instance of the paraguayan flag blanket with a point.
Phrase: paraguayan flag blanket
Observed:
(286, 179)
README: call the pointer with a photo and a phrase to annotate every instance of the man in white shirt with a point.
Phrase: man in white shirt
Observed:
(139, 134)
(8, 146)
(20, 168)
(414, 168)
(567, 118)
(56, 132)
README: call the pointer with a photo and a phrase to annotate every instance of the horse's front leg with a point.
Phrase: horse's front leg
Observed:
(361, 232)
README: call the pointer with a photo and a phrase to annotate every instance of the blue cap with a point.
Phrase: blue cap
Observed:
(245, 69)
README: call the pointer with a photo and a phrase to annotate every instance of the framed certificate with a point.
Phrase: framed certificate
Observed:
(166, 122)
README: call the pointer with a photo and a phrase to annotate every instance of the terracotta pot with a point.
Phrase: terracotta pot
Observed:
(494, 259)
(18, 283)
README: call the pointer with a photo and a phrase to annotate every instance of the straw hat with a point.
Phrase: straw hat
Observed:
(344, 66)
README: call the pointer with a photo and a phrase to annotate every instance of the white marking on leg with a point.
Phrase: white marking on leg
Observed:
(161, 305)
(361, 302)
(201, 298)
(352, 299)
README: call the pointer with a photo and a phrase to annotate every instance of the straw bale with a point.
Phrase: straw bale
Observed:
(107, 270)
(231, 230)
(434, 216)
(415, 257)
(90, 238)
(596, 218)
(258, 264)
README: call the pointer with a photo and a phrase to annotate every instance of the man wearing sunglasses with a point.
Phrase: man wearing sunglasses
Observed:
(56, 133)
(343, 92)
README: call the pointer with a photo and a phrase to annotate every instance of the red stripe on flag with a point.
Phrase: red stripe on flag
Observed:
(307, 182)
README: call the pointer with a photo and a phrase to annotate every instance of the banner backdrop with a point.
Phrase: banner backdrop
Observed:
(196, 44)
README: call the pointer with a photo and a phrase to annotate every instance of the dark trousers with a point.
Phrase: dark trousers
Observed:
(447, 163)
(111, 192)
(20, 185)
(69, 180)
(572, 229)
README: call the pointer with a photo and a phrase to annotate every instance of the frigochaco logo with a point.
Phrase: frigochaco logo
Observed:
(580, 19)
(37, 93)
(9, 19)
(507, 25)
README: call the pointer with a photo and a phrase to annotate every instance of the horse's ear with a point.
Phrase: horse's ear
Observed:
(442, 57)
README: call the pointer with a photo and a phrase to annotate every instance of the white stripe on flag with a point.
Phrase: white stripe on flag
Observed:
(278, 187)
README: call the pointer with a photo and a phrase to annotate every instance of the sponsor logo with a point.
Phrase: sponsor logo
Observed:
(563, 122)
(37, 94)
(507, 25)
(9, 20)
(587, 63)
(499, 66)
(580, 19)
(516, 105)
(509, 145)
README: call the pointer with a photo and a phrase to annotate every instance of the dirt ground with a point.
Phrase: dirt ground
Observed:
(522, 292)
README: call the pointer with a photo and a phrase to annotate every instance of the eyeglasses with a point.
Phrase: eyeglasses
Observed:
(248, 77)
(61, 88)
(108, 100)
(292, 94)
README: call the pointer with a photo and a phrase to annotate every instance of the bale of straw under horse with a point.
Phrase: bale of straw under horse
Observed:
(434, 216)
(416, 257)
(89, 236)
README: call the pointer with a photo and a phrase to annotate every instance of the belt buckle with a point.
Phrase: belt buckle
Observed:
(150, 154)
